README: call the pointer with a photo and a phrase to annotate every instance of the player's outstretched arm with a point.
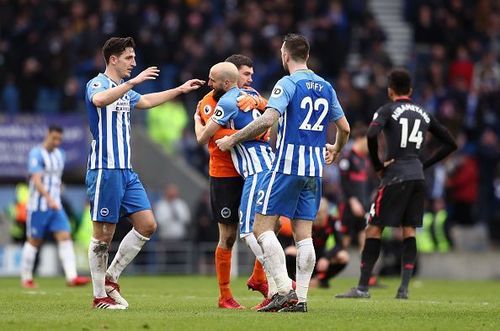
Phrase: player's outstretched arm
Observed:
(448, 143)
(252, 130)
(151, 100)
(343, 131)
(107, 97)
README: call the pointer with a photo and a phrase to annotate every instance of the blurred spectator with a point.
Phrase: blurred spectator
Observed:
(172, 215)
(166, 124)
(205, 229)
(462, 184)
(489, 157)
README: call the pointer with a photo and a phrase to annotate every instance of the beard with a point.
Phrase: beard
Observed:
(218, 94)
(285, 66)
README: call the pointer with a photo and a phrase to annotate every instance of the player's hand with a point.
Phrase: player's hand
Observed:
(356, 207)
(322, 265)
(264, 136)
(225, 143)
(246, 102)
(149, 74)
(52, 204)
(191, 85)
(380, 173)
(197, 117)
(332, 154)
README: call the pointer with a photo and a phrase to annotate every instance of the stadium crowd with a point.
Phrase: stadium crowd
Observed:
(48, 50)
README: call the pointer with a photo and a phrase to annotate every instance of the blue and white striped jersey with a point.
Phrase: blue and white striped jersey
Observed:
(110, 126)
(249, 157)
(50, 165)
(307, 104)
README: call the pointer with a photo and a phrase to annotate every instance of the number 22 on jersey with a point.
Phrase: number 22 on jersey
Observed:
(320, 104)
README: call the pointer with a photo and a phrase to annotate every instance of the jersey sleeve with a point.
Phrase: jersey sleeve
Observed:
(96, 85)
(206, 107)
(380, 117)
(35, 162)
(376, 126)
(134, 98)
(225, 110)
(336, 111)
(282, 93)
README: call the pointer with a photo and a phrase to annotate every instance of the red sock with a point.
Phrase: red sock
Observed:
(258, 275)
(223, 270)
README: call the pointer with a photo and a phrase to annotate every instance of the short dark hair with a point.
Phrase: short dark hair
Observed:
(240, 60)
(358, 130)
(297, 46)
(399, 81)
(55, 128)
(116, 46)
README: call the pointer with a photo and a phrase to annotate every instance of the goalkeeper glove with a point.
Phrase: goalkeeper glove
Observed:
(247, 102)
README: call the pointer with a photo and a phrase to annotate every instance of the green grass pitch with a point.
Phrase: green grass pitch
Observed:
(189, 303)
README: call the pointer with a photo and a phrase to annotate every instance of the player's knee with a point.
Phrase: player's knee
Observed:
(343, 257)
(62, 236)
(104, 237)
(229, 241)
(35, 242)
(148, 229)
(373, 231)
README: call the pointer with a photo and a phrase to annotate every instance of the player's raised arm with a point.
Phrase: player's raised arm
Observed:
(108, 96)
(151, 100)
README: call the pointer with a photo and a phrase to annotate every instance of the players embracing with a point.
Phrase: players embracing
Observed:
(234, 175)
(303, 104)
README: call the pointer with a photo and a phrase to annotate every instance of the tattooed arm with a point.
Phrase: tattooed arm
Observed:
(252, 130)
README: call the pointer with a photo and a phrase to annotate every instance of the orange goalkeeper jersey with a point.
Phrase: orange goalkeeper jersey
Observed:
(220, 163)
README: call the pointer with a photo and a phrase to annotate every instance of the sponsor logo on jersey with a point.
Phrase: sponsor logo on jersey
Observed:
(218, 113)
(96, 85)
(277, 92)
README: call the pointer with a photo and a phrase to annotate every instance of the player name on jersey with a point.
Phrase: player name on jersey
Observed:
(408, 106)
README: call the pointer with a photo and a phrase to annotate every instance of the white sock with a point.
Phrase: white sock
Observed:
(129, 247)
(274, 261)
(28, 261)
(306, 259)
(98, 261)
(254, 246)
(67, 256)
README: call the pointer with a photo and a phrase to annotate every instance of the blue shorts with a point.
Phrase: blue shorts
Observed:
(114, 193)
(249, 198)
(296, 197)
(41, 222)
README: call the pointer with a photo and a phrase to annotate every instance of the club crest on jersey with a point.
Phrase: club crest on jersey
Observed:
(225, 212)
(218, 113)
(207, 109)
(277, 91)
(104, 212)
